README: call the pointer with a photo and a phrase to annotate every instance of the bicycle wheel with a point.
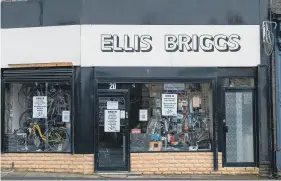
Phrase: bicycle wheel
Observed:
(58, 139)
(25, 119)
(24, 97)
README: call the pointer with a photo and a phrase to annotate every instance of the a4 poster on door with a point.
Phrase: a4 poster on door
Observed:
(112, 121)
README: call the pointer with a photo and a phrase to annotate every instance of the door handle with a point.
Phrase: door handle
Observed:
(225, 128)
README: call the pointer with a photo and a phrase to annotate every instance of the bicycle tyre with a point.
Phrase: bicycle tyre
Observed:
(23, 121)
(56, 137)
(26, 96)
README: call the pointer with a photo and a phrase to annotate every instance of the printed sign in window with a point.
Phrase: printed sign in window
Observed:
(39, 107)
(143, 115)
(65, 116)
(112, 121)
(169, 104)
(112, 105)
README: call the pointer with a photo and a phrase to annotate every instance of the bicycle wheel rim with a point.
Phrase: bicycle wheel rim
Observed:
(58, 137)
(26, 98)
(24, 122)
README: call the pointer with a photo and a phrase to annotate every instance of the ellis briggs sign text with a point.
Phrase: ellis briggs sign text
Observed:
(172, 43)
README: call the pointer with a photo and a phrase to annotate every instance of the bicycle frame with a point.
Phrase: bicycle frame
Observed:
(42, 136)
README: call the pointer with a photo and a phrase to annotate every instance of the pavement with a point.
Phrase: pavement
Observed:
(15, 175)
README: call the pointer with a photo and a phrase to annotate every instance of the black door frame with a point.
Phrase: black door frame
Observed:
(255, 127)
(118, 92)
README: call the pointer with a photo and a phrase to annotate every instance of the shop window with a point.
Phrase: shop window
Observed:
(169, 116)
(239, 82)
(37, 117)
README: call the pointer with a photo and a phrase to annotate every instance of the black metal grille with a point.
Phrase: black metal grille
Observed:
(31, 74)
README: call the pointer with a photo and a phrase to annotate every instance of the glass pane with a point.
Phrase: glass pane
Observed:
(239, 119)
(240, 82)
(37, 117)
(111, 149)
(189, 128)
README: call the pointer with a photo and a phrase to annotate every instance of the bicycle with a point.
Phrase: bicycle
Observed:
(57, 137)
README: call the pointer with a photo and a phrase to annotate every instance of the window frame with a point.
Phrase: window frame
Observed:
(52, 77)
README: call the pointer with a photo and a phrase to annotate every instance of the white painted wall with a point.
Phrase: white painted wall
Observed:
(81, 45)
(40, 45)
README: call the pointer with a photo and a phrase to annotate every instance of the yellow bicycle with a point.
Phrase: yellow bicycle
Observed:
(55, 138)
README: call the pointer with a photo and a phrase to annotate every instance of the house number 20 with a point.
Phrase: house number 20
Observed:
(112, 85)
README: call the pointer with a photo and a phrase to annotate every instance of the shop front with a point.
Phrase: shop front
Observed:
(171, 125)
(147, 99)
(173, 99)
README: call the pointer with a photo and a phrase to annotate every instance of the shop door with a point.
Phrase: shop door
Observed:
(238, 126)
(112, 151)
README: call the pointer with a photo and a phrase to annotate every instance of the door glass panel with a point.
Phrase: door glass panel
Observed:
(112, 154)
(111, 150)
(239, 119)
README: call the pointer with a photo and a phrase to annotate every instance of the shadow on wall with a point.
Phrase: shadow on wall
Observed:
(68, 12)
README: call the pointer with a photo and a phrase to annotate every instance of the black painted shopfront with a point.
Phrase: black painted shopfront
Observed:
(93, 87)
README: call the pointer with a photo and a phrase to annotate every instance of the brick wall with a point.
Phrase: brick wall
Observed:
(182, 163)
(143, 163)
(49, 162)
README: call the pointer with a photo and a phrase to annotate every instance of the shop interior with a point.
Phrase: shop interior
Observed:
(37, 117)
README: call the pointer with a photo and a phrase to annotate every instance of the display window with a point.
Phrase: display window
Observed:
(169, 116)
(37, 117)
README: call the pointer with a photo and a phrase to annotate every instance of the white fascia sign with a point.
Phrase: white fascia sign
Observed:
(173, 43)
(170, 45)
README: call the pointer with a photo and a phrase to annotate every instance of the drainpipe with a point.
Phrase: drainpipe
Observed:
(276, 55)
(277, 149)
(270, 115)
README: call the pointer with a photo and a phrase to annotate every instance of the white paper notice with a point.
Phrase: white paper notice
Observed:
(169, 104)
(143, 115)
(39, 107)
(112, 121)
(65, 116)
(122, 114)
(112, 105)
